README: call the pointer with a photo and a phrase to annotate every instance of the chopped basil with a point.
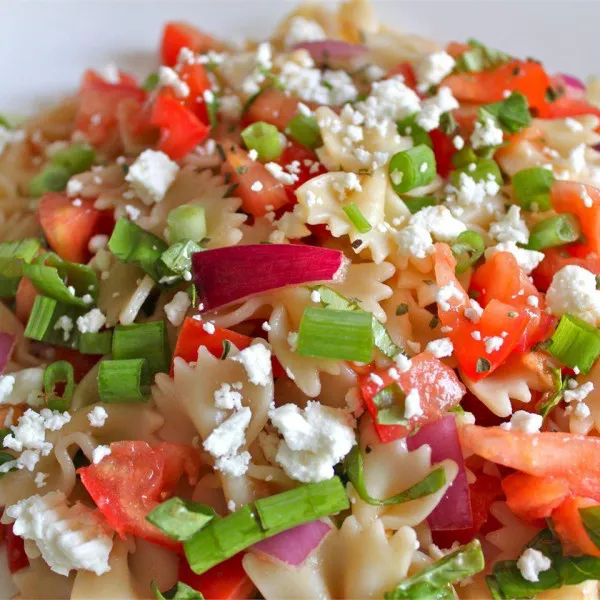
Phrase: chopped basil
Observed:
(553, 398)
(435, 321)
(390, 405)
(180, 519)
(401, 309)
(483, 365)
(226, 349)
(512, 113)
(5, 457)
(180, 591)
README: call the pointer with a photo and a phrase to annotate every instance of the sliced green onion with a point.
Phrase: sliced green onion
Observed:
(124, 380)
(67, 282)
(412, 168)
(43, 322)
(96, 343)
(465, 562)
(53, 178)
(180, 519)
(13, 256)
(485, 169)
(264, 138)
(4, 458)
(180, 591)
(305, 130)
(357, 218)
(430, 484)
(77, 158)
(143, 340)
(390, 405)
(151, 82)
(187, 223)
(21, 249)
(512, 113)
(555, 231)
(575, 343)
(467, 249)
(212, 109)
(343, 334)
(532, 188)
(416, 204)
(409, 127)
(132, 244)
(59, 372)
(479, 58)
(383, 341)
(464, 157)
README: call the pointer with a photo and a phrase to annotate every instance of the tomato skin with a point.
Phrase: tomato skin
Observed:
(294, 152)
(406, 70)
(438, 386)
(178, 35)
(444, 150)
(274, 107)
(555, 260)
(130, 482)
(565, 106)
(225, 581)
(15, 549)
(197, 80)
(569, 528)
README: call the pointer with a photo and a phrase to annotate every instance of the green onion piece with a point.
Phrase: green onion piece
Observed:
(95, 343)
(177, 259)
(486, 169)
(467, 249)
(53, 178)
(13, 255)
(575, 343)
(412, 168)
(305, 130)
(532, 188)
(383, 341)
(212, 108)
(187, 222)
(554, 398)
(24, 250)
(124, 380)
(512, 113)
(343, 334)
(479, 58)
(4, 458)
(357, 218)
(77, 158)
(555, 231)
(409, 127)
(43, 323)
(132, 244)
(416, 204)
(59, 372)
(180, 591)
(264, 138)
(465, 562)
(390, 405)
(143, 340)
(53, 277)
(464, 157)
(430, 484)
(151, 82)
(180, 519)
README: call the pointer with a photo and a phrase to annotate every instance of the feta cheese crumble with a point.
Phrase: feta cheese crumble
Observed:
(412, 404)
(168, 77)
(256, 360)
(511, 227)
(301, 29)
(531, 563)
(97, 416)
(486, 133)
(226, 398)
(573, 291)
(528, 260)
(524, 421)
(100, 453)
(440, 348)
(431, 69)
(92, 321)
(151, 175)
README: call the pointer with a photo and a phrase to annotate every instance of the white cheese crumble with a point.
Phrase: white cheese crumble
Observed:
(439, 222)
(487, 133)
(256, 360)
(315, 296)
(403, 363)
(74, 187)
(92, 321)
(110, 73)
(433, 108)
(97, 416)
(528, 260)
(40, 480)
(68, 538)
(412, 404)
(511, 227)
(132, 212)
(440, 348)
(314, 439)
(414, 241)
(579, 393)
(22, 386)
(257, 186)
(573, 291)
(151, 175)
(301, 29)
(168, 77)
(281, 175)
(177, 308)
(209, 328)
(65, 324)
(230, 107)
(445, 293)
(493, 343)
(100, 453)
(97, 242)
(524, 421)
(431, 69)
(531, 563)
(227, 398)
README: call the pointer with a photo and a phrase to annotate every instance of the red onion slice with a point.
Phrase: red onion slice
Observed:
(454, 510)
(571, 81)
(331, 49)
(7, 344)
(293, 546)
(226, 275)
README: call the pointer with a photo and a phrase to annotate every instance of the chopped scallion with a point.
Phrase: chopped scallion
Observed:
(143, 340)
(180, 591)
(485, 169)
(575, 343)
(357, 218)
(59, 372)
(181, 519)
(95, 343)
(412, 168)
(409, 127)
(77, 158)
(467, 249)
(13, 256)
(532, 188)
(305, 130)
(124, 380)
(44, 325)
(53, 178)
(264, 138)
(187, 222)
(416, 204)
(555, 231)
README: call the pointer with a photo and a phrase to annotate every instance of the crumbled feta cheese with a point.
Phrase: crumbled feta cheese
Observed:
(257, 186)
(92, 321)
(533, 301)
(354, 403)
(110, 73)
(440, 348)
(235, 466)
(65, 324)
(511, 227)
(68, 538)
(177, 308)
(403, 363)
(474, 311)
(227, 399)
(40, 480)
(253, 155)
(209, 328)
(315, 296)
(230, 435)
(97, 243)
(314, 439)
(100, 453)
(168, 77)
(97, 416)
(301, 29)
(524, 421)
(493, 343)
(447, 292)
(573, 290)
(7, 383)
(431, 69)
(580, 393)
(279, 174)
(132, 212)
(23, 386)
(439, 222)
(476, 335)
(412, 404)
(54, 420)
(458, 142)
(151, 175)
(582, 411)
(528, 260)
(414, 241)
(487, 133)
(256, 360)
(266, 326)
(471, 192)
(74, 187)
(433, 108)
(531, 563)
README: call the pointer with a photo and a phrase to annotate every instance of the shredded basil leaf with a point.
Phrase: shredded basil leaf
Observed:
(180, 519)
(512, 113)
(560, 385)
(180, 591)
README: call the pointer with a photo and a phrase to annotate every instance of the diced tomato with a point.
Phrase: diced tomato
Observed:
(197, 80)
(531, 498)
(15, 550)
(226, 581)
(130, 482)
(455, 49)
(406, 70)
(68, 228)
(555, 260)
(437, 384)
(484, 87)
(306, 158)
(569, 527)
(568, 196)
(574, 458)
(466, 116)
(177, 35)
(180, 130)
(444, 150)
(564, 107)
(99, 102)
(82, 363)
(498, 320)
(275, 107)
(24, 299)
(245, 173)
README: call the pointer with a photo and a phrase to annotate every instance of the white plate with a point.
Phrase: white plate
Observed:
(46, 45)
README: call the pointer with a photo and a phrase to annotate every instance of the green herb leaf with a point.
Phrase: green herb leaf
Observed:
(560, 385)
(59, 372)
(181, 591)
(5, 457)
(180, 519)
(575, 343)
(512, 113)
